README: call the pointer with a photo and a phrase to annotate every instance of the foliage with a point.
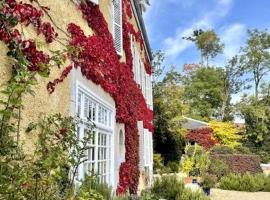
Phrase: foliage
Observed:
(218, 168)
(208, 43)
(58, 153)
(246, 182)
(226, 133)
(91, 188)
(196, 161)
(202, 136)
(255, 57)
(222, 149)
(204, 92)
(173, 166)
(192, 195)
(257, 129)
(233, 84)
(167, 187)
(158, 163)
(208, 181)
(168, 111)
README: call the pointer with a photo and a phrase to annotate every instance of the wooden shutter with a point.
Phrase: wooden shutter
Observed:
(117, 25)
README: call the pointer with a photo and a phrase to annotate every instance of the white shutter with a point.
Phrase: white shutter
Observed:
(117, 25)
(141, 144)
(147, 152)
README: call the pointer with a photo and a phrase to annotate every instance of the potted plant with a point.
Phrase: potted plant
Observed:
(208, 182)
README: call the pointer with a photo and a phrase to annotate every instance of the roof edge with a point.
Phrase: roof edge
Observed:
(142, 27)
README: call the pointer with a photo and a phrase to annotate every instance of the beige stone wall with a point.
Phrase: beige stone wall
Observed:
(63, 12)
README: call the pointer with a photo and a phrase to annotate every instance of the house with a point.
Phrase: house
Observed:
(189, 123)
(109, 82)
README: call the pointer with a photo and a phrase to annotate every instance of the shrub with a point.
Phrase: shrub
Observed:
(158, 163)
(196, 161)
(202, 136)
(266, 187)
(209, 181)
(226, 133)
(241, 163)
(167, 187)
(190, 195)
(222, 149)
(91, 186)
(218, 168)
(242, 150)
(173, 166)
(246, 182)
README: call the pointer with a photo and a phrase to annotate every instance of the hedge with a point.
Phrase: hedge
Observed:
(241, 163)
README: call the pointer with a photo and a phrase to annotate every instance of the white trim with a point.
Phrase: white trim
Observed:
(110, 131)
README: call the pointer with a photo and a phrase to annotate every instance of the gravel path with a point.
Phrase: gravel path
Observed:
(217, 194)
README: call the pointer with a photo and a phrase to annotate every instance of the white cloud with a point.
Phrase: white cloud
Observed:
(233, 37)
(173, 46)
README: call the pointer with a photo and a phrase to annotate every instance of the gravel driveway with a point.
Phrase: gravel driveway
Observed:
(217, 194)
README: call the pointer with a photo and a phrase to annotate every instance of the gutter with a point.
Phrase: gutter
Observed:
(140, 21)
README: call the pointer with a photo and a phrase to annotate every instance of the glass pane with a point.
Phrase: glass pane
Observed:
(79, 100)
(86, 107)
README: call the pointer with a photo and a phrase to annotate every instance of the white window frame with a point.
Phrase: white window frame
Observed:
(100, 129)
(94, 1)
(119, 25)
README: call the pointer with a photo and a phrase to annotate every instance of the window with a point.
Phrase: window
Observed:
(117, 25)
(78, 1)
(98, 157)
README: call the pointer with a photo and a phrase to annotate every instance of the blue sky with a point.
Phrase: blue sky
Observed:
(167, 21)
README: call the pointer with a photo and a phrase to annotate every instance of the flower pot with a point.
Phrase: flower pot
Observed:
(188, 180)
(207, 191)
(194, 180)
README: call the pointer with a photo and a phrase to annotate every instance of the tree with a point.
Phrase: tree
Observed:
(208, 43)
(204, 90)
(257, 121)
(232, 85)
(168, 111)
(255, 57)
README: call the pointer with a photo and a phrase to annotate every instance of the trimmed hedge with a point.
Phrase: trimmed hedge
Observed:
(241, 163)
(246, 182)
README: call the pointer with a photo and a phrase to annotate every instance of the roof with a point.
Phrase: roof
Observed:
(140, 20)
(189, 123)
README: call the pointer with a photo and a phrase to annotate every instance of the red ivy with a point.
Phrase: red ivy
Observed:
(100, 63)
(27, 14)
(202, 136)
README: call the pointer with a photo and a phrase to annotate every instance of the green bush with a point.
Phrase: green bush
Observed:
(246, 182)
(266, 187)
(167, 187)
(218, 168)
(208, 181)
(91, 186)
(158, 163)
(173, 166)
(189, 195)
(222, 149)
(242, 150)
(196, 161)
